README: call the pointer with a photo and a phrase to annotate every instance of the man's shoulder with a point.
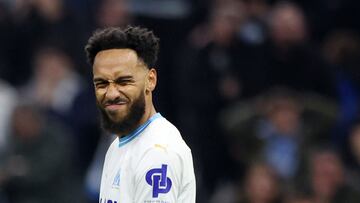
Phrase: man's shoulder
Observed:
(164, 133)
(113, 146)
(164, 127)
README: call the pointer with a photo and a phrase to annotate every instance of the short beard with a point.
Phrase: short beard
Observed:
(129, 123)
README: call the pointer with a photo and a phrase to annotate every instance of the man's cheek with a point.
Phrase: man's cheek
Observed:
(100, 94)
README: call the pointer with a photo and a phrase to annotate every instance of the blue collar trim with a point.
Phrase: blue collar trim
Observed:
(135, 133)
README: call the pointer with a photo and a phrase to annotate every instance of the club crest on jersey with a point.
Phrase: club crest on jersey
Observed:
(116, 182)
(157, 178)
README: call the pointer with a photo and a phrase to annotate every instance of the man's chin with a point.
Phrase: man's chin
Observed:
(115, 114)
(115, 118)
(124, 118)
(113, 125)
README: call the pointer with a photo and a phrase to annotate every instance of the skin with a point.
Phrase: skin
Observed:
(120, 75)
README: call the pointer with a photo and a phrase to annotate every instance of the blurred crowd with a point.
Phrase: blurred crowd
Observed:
(265, 92)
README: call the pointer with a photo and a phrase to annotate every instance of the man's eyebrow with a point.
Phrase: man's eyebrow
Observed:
(128, 77)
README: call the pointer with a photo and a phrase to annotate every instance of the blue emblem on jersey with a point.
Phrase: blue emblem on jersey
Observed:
(117, 179)
(157, 178)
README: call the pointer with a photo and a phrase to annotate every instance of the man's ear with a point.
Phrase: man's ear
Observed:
(151, 80)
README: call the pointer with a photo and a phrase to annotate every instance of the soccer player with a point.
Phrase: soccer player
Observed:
(148, 162)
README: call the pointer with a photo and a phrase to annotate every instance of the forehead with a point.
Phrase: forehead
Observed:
(113, 61)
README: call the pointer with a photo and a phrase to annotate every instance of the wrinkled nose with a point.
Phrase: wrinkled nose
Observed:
(112, 92)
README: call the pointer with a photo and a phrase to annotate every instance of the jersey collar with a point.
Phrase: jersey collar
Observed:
(136, 132)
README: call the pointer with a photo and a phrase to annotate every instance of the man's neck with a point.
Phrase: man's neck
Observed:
(147, 115)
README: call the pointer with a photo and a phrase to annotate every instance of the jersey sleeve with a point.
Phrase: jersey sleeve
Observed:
(158, 176)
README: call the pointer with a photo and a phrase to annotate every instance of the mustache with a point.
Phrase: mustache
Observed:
(114, 101)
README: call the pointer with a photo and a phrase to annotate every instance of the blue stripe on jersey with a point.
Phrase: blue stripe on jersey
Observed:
(131, 136)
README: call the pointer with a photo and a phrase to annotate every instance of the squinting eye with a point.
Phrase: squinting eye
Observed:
(100, 85)
(123, 82)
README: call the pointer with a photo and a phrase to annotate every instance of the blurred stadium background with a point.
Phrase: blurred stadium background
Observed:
(265, 92)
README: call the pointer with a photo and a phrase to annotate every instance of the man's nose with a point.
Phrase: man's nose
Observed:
(112, 92)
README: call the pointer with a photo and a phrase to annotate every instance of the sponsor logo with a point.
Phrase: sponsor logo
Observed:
(107, 201)
(157, 178)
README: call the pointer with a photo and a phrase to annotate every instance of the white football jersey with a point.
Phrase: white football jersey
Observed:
(151, 165)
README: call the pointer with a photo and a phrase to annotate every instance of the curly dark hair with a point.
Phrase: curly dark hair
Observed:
(142, 40)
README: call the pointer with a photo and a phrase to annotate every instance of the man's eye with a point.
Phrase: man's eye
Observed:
(100, 85)
(123, 82)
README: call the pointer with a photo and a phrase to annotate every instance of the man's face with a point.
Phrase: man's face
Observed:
(120, 82)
